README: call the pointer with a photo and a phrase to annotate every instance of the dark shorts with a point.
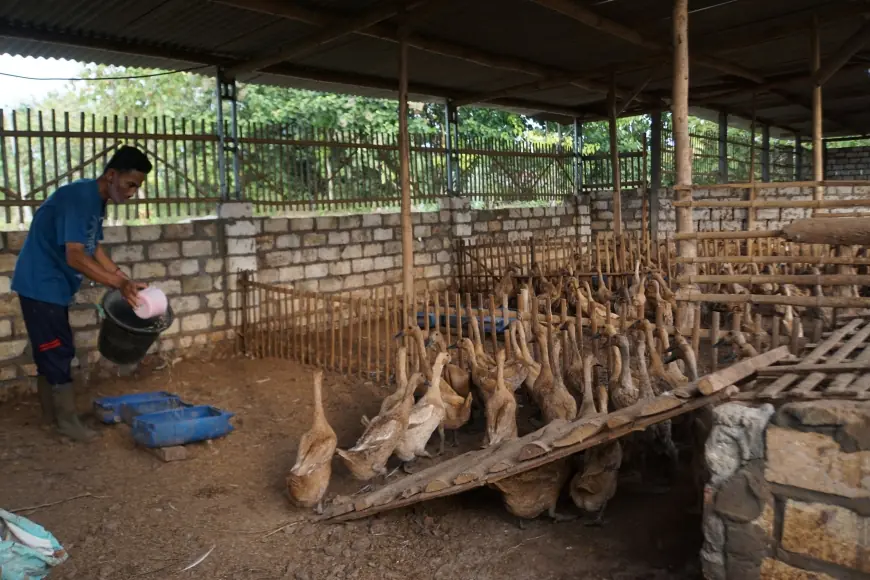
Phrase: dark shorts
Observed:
(51, 339)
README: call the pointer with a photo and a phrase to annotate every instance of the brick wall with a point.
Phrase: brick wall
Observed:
(847, 163)
(788, 496)
(190, 262)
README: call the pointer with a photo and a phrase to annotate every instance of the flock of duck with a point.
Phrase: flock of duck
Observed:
(448, 387)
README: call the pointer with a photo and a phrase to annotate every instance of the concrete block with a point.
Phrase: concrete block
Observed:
(163, 251)
(127, 253)
(242, 228)
(313, 239)
(178, 231)
(316, 271)
(195, 248)
(372, 220)
(241, 246)
(149, 270)
(301, 224)
(197, 284)
(383, 234)
(195, 322)
(145, 233)
(114, 235)
(338, 238)
(328, 254)
(237, 263)
(183, 267)
(276, 225)
(351, 252)
(326, 224)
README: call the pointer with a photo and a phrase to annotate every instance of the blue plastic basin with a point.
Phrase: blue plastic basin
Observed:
(131, 410)
(108, 409)
(181, 426)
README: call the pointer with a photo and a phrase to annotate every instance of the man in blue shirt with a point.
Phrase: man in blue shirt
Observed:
(62, 246)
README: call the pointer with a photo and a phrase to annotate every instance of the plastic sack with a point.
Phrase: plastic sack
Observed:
(27, 550)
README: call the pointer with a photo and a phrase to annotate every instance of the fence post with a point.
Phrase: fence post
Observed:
(765, 153)
(578, 157)
(451, 134)
(798, 158)
(723, 147)
(655, 173)
(228, 144)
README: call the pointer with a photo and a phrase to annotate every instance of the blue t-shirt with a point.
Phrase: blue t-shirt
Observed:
(72, 214)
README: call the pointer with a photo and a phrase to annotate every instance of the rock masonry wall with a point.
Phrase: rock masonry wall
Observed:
(789, 496)
(196, 264)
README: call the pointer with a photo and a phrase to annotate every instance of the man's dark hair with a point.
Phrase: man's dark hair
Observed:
(129, 159)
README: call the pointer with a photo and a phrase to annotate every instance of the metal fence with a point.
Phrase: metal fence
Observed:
(740, 154)
(282, 167)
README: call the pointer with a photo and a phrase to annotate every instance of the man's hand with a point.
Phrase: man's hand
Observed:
(130, 291)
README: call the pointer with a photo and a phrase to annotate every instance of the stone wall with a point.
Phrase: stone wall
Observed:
(195, 264)
(847, 163)
(789, 496)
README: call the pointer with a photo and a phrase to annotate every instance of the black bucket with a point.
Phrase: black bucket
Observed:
(124, 337)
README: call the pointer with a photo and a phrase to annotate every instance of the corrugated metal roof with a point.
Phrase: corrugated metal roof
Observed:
(769, 37)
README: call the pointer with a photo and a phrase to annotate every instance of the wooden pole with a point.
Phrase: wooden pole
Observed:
(682, 148)
(816, 64)
(405, 171)
(614, 159)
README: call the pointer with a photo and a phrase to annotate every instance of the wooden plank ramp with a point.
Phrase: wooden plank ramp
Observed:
(550, 443)
(836, 368)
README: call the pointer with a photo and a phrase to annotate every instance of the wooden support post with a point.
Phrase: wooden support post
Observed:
(655, 174)
(405, 171)
(683, 149)
(614, 159)
(818, 156)
(751, 213)
(723, 147)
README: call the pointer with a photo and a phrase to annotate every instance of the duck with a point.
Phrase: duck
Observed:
(664, 309)
(455, 376)
(397, 395)
(637, 292)
(660, 435)
(482, 356)
(309, 476)
(664, 379)
(623, 391)
(682, 350)
(550, 395)
(368, 457)
(523, 354)
(575, 372)
(594, 485)
(604, 294)
(501, 409)
(425, 418)
(741, 349)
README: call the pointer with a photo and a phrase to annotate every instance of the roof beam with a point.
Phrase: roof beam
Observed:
(336, 29)
(111, 44)
(571, 9)
(839, 59)
(426, 43)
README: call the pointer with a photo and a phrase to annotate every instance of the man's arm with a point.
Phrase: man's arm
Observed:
(106, 262)
(79, 260)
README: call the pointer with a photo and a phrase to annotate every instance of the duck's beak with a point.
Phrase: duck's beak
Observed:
(719, 343)
(670, 359)
(596, 336)
(429, 341)
(453, 346)
(671, 349)
(400, 335)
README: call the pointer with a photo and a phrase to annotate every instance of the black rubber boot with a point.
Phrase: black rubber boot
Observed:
(68, 422)
(46, 399)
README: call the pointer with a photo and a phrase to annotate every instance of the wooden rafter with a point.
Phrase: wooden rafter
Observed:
(425, 43)
(839, 59)
(339, 28)
(575, 11)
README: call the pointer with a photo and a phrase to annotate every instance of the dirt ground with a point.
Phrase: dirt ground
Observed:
(146, 519)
